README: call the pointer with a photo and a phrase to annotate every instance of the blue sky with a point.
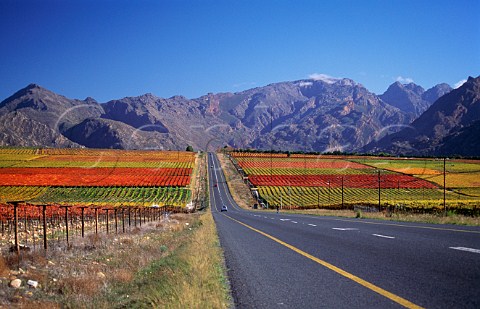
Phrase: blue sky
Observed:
(112, 49)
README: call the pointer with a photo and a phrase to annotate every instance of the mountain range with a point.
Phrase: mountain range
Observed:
(306, 115)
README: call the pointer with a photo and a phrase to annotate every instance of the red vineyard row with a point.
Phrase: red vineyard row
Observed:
(298, 164)
(95, 177)
(387, 181)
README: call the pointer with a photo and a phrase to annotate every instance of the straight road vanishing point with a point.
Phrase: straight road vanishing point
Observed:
(300, 261)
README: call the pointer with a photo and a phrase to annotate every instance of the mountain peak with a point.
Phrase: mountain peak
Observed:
(473, 80)
(406, 97)
(451, 120)
(21, 93)
(32, 86)
(437, 91)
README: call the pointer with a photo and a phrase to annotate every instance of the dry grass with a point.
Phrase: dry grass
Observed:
(202, 283)
(121, 270)
(239, 190)
(4, 269)
(404, 217)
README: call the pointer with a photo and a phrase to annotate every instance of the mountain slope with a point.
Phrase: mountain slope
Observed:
(35, 116)
(413, 99)
(447, 119)
(106, 133)
(306, 115)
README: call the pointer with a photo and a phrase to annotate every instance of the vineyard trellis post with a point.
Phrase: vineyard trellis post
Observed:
(135, 216)
(44, 215)
(83, 220)
(123, 219)
(25, 221)
(15, 224)
(115, 214)
(108, 229)
(66, 222)
(96, 220)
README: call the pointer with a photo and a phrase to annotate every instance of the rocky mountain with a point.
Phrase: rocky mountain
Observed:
(35, 116)
(306, 115)
(413, 99)
(449, 127)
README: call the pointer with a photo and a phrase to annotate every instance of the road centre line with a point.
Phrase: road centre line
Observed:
(399, 300)
(466, 249)
(383, 236)
(311, 224)
(294, 221)
(344, 228)
(410, 226)
(284, 219)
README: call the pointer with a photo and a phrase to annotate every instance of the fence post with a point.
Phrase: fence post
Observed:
(96, 220)
(66, 222)
(115, 213)
(123, 219)
(83, 220)
(106, 209)
(44, 215)
(15, 225)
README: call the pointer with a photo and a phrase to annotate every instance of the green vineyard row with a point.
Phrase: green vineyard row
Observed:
(97, 196)
(313, 197)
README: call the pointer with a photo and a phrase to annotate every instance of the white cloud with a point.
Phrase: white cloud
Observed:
(459, 84)
(404, 80)
(323, 77)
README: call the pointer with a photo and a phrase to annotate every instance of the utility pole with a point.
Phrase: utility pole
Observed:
(379, 186)
(271, 142)
(342, 193)
(444, 187)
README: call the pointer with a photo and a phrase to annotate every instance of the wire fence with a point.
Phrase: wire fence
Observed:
(27, 227)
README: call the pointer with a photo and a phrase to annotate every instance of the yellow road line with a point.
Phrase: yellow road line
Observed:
(368, 285)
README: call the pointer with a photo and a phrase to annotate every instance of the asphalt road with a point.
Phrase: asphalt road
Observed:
(300, 261)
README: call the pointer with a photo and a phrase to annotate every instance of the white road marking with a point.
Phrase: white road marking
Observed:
(344, 228)
(311, 224)
(272, 218)
(466, 249)
(383, 236)
(294, 221)
(284, 219)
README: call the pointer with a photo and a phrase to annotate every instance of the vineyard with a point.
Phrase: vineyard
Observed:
(86, 187)
(321, 181)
